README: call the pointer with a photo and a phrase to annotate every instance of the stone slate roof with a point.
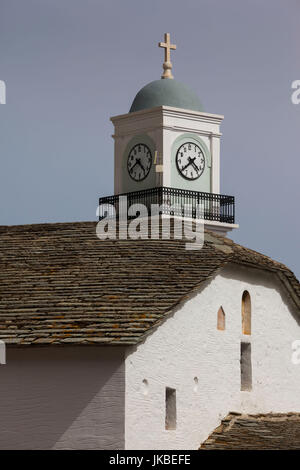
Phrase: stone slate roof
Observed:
(256, 432)
(60, 284)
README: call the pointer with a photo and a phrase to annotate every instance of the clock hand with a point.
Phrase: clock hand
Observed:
(195, 166)
(184, 168)
(131, 169)
(139, 162)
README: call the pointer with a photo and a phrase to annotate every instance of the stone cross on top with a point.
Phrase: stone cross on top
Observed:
(167, 65)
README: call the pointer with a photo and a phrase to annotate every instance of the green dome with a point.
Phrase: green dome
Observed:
(166, 92)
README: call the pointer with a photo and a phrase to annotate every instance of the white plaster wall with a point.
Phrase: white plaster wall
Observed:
(62, 398)
(188, 345)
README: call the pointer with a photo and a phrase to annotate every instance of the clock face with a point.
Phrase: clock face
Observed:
(190, 161)
(139, 162)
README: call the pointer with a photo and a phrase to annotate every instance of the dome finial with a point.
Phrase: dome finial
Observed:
(167, 65)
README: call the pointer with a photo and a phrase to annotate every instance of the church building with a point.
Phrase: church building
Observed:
(132, 342)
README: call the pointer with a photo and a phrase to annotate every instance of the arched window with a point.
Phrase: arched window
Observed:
(246, 313)
(221, 319)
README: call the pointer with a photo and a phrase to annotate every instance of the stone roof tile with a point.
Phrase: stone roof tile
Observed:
(60, 284)
(273, 431)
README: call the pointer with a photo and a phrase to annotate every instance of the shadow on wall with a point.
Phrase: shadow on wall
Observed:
(62, 397)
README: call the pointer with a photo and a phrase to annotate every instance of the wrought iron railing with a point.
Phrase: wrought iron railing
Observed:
(170, 201)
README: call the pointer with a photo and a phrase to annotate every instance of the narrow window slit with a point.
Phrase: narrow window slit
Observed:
(221, 319)
(246, 367)
(170, 422)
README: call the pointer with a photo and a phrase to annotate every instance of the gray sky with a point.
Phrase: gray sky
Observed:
(71, 64)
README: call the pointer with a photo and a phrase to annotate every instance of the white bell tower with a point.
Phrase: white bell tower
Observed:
(168, 141)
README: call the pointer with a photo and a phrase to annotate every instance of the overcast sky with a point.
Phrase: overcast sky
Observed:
(71, 64)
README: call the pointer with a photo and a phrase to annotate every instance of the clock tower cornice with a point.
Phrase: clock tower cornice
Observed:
(169, 128)
(167, 118)
(169, 111)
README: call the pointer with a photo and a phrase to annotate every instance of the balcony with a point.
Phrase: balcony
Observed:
(169, 201)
